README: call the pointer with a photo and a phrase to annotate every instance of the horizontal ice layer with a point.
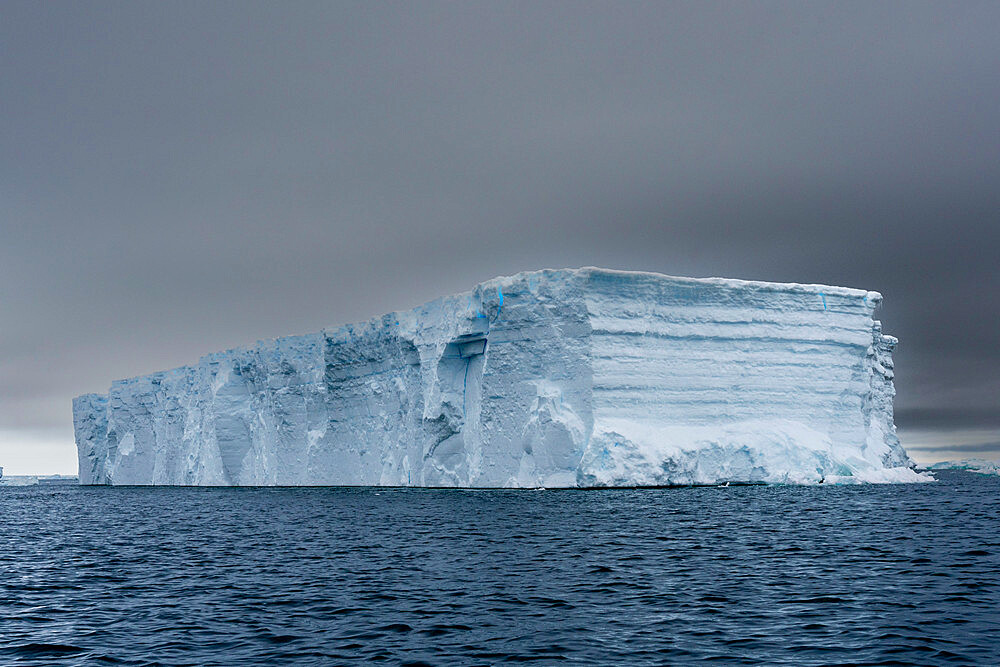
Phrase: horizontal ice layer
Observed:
(583, 377)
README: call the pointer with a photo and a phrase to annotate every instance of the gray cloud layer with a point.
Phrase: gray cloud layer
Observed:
(976, 447)
(177, 178)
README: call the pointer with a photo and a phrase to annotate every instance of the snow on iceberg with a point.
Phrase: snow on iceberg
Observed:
(557, 378)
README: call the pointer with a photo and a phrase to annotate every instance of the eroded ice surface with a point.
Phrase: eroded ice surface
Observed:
(584, 377)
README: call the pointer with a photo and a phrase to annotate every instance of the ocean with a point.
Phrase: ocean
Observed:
(823, 575)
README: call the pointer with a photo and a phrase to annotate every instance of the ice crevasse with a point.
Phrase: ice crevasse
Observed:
(556, 378)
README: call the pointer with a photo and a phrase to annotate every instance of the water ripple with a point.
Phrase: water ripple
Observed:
(742, 575)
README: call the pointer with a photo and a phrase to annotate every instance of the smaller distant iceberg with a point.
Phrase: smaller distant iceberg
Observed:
(38, 480)
(981, 466)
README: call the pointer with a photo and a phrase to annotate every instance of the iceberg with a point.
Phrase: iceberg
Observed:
(981, 466)
(556, 378)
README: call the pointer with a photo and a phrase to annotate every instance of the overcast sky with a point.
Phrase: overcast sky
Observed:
(180, 178)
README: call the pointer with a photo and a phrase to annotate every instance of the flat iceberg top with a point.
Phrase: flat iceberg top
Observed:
(731, 283)
(555, 378)
(869, 297)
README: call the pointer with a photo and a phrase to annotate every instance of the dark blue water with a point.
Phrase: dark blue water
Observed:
(781, 575)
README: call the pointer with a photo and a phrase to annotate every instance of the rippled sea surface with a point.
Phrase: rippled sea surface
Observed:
(884, 575)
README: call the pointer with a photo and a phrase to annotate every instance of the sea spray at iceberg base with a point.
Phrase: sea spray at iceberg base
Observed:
(565, 378)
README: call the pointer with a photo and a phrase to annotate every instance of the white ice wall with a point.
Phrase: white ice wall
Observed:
(586, 377)
(697, 381)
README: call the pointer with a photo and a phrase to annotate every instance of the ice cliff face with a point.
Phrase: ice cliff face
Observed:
(583, 377)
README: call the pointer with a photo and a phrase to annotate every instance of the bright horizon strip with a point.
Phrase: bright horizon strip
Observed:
(926, 446)
(38, 452)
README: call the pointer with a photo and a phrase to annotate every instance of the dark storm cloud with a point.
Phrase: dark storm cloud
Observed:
(178, 178)
(976, 447)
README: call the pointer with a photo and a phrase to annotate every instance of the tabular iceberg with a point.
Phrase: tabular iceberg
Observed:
(557, 378)
(981, 466)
